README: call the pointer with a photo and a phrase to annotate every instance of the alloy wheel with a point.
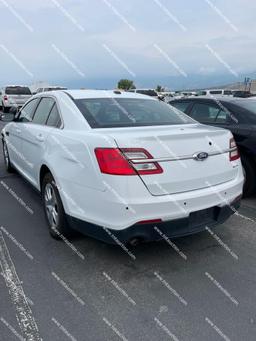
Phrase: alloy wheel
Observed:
(51, 206)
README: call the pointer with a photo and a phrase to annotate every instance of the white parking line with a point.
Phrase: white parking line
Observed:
(24, 314)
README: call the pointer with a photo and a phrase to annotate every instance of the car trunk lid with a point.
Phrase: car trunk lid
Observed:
(182, 152)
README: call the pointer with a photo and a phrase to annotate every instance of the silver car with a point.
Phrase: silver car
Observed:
(14, 95)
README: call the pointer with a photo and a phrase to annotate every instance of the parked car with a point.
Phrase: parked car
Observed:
(14, 95)
(148, 92)
(50, 88)
(242, 94)
(123, 167)
(215, 92)
(237, 115)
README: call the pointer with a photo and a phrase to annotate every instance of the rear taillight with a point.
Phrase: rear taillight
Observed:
(111, 161)
(126, 161)
(5, 98)
(234, 154)
(138, 157)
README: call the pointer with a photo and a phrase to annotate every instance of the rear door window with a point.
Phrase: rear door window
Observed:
(205, 113)
(43, 110)
(224, 117)
(54, 119)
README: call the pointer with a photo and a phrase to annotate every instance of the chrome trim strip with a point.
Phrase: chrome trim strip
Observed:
(185, 157)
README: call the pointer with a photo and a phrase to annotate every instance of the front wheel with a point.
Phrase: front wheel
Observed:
(53, 208)
(250, 176)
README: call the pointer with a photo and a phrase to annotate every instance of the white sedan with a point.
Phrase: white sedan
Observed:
(122, 167)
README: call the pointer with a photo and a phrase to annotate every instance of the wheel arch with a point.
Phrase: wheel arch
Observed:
(43, 171)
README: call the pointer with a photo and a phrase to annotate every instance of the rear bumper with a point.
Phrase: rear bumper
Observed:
(122, 208)
(194, 223)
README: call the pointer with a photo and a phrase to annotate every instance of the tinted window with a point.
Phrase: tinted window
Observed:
(147, 92)
(17, 90)
(182, 106)
(223, 116)
(216, 92)
(204, 112)
(53, 89)
(202, 93)
(54, 118)
(27, 111)
(227, 92)
(43, 110)
(110, 112)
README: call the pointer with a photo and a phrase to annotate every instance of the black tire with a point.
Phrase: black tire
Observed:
(250, 176)
(7, 162)
(5, 110)
(58, 226)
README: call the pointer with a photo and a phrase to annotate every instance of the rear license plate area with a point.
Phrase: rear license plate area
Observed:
(203, 217)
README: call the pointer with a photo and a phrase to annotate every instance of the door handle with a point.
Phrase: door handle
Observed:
(40, 137)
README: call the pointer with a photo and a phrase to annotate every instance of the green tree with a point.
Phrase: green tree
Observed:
(126, 84)
(159, 88)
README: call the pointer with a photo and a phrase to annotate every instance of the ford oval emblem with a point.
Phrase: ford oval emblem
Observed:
(200, 156)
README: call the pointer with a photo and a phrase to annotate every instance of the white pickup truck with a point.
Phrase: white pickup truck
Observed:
(14, 95)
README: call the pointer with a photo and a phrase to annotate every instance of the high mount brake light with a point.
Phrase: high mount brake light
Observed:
(233, 155)
(119, 161)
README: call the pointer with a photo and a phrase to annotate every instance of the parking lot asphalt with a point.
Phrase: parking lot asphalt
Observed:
(202, 287)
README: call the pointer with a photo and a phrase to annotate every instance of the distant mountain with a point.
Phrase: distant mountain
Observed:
(192, 81)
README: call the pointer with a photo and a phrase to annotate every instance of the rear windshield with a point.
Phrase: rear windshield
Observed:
(111, 112)
(17, 90)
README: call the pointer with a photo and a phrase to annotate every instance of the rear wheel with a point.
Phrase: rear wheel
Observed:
(250, 176)
(7, 161)
(53, 208)
(4, 109)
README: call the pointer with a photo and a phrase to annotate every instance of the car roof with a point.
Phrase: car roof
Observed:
(235, 100)
(80, 94)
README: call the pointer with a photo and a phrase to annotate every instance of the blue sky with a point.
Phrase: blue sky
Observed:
(96, 42)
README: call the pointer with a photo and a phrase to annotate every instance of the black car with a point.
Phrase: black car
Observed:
(242, 94)
(236, 114)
